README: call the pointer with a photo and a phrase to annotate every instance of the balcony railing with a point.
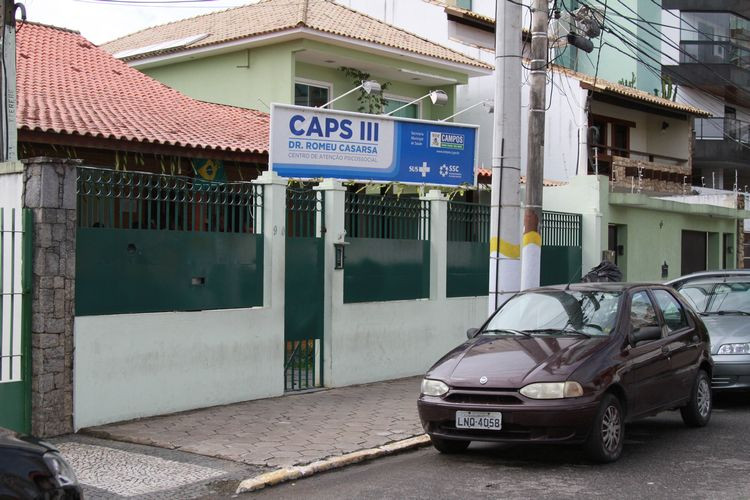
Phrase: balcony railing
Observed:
(720, 129)
(714, 52)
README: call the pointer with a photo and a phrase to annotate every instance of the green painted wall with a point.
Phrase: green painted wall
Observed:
(226, 79)
(620, 61)
(249, 78)
(650, 229)
(342, 84)
(656, 237)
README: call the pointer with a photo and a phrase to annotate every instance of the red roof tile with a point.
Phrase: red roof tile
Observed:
(67, 85)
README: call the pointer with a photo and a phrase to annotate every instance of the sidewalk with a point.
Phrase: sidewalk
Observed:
(287, 431)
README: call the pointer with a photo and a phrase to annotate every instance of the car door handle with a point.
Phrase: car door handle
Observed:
(665, 350)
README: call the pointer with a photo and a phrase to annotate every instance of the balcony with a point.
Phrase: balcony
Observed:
(722, 143)
(720, 67)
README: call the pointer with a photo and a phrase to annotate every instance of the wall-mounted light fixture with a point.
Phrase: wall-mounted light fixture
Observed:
(369, 86)
(438, 98)
(664, 269)
(486, 104)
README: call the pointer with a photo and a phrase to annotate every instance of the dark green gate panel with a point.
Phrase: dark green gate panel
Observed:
(303, 314)
(468, 269)
(381, 270)
(561, 265)
(134, 271)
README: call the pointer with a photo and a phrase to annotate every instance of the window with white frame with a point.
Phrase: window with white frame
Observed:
(410, 111)
(312, 94)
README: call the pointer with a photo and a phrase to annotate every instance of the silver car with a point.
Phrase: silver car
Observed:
(724, 303)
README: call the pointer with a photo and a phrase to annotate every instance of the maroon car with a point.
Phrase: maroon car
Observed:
(571, 365)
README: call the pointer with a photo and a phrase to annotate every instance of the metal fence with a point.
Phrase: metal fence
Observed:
(468, 222)
(386, 217)
(15, 318)
(304, 289)
(141, 200)
(561, 229)
(171, 243)
(305, 211)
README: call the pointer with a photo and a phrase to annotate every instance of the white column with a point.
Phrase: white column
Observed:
(438, 243)
(333, 279)
(273, 213)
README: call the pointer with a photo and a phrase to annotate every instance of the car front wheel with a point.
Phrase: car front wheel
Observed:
(608, 432)
(697, 412)
(449, 446)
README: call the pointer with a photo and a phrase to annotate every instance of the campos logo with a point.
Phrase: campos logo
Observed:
(447, 141)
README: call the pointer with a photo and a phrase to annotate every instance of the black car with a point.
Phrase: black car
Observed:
(32, 469)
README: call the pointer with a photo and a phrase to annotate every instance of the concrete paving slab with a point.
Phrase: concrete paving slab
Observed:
(291, 430)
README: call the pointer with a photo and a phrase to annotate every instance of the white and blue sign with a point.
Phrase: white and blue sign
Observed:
(312, 143)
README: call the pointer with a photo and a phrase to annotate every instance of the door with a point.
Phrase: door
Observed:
(649, 371)
(15, 319)
(303, 284)
(694, 253)
(684, 352)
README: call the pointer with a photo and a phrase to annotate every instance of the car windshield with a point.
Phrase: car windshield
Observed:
(719, 298)
(557, 312)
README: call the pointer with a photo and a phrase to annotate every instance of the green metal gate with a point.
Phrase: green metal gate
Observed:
(562, 251)
(303, 313)
(15, 319)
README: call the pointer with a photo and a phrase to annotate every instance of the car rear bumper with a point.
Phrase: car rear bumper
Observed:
(731, 371)
(559, 421)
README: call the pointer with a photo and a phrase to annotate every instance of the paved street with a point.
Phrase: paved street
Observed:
(662, 459)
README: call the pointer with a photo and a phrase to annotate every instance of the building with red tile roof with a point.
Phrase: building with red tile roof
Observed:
(72, 94)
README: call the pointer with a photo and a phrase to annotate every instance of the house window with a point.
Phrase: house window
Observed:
(410, 111)
(608, 137)
(311, 94)
(463, 4)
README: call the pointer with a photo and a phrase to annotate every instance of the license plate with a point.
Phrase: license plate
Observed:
(490, 420)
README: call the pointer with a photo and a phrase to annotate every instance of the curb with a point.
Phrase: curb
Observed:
(292, 473)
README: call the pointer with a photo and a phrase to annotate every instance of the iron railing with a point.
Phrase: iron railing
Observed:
(305, 211)
(468, 222)
(386, 217)
(561, 229)
(723, 129)
(140, 200)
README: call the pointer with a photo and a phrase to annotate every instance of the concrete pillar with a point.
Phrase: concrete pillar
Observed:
(334, 194)
(50, 193)
(438, 243)
(273, 213)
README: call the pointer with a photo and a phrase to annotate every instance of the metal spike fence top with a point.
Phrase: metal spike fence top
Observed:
(305, 213)
(561, 229)
(468, 222)
(386, 217)
(140, 200)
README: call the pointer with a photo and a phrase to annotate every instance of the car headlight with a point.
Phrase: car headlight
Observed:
(61, 469)
(552, 390)
(734, 349)
(433, 387)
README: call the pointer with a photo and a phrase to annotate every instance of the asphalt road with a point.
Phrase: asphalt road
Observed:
(662, 459)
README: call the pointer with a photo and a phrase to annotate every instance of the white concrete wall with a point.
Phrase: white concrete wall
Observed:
(136, 365)
(11, 185)
(382, 340)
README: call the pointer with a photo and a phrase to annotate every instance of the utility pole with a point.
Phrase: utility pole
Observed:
(8, 131)
(505, 266)
(531, 250)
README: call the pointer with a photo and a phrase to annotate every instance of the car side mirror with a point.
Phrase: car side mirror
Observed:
(471, 333)
(646, 333)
